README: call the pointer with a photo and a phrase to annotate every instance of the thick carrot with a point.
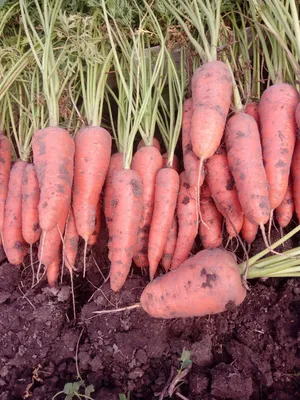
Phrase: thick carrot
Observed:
(71, 239)
(92, 157)
(53, 155)
(155, 143)
(252, 109)
(223, 191)
(244, 156)
(31, 230)
(116, 164)
(249, 230)
(187, 222)
(13, 241)
(170, 245)
(147, 161)
(210, 227)
(207, 283)
(5, 163)
(166, 191)
(284, 212)
(127, 197)
(53, 271)
(278, 134)
(295, 168)
(94, 236)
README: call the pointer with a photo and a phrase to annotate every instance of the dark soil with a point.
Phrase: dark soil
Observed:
(252, 352)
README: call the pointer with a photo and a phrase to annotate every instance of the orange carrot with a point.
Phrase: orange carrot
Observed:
(175, 164)
(207, 283)
(284, 212)
(71, 239)
(53, 271)
(249, 230)
(278, 134)
(245, 160)
(53, 155)
(31, 230)
(127, 196)
(94, 236)
(252, 109)
(13, 241)
(147, 161)
(210, 228)
(187, 222)
(155, 144)
(223, 191)
(5, 163)
(295, 168)
(166, 191)
(170, 245)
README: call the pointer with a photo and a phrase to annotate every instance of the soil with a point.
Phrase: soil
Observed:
(251, 352)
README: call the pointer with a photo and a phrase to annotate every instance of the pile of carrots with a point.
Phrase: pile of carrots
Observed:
(240, 158)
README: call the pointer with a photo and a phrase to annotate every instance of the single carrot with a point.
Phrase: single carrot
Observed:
(53, 271)
(284, 212)
(246, 164)
(94, 236)
(155, 143)
(53, 156)
(166, 191)
(223, 191)
(278, 134)
(295, 167)
(31, 230)
(210, 227)
(207, 283)
(71, 239)
(187, 222)
(252, 109)
(249, 230)
(147, 161)
(13, 241)
(127, 197)
(170, 245)
(5, 164)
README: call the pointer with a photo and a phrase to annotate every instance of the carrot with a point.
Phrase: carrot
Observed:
(295, 167)
(53, 271)
(5, 158)
(127, 196)
(53, 155)
(249, 230)
(207, 283)
(71, 239)
(155, 143)
(31, 230)
(175, 163)
(13, 241)
(166, 191)
(147, 161)
(187, 222)
(284, 212)
(278, 134)
(92, 157)
(252, 109)
(170, 245)
(245, 160)
(210, 228)
(94, 236)
(223, 191)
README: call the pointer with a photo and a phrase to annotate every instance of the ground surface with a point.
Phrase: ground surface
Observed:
(252, 352)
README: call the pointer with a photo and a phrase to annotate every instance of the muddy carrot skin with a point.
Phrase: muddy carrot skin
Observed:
(249, 230)
(252, 109)
(5, 165)
(170, 245)
(71, 240)
(284, 212)
(94, 236)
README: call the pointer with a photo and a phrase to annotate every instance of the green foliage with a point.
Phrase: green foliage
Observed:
(185, 360)
(123, 396)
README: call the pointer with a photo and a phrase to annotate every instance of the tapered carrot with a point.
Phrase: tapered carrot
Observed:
(53, 271)
(223, 191)
(187, 222)
(94, 236)
(252, 109)
(147, 161)
(13, 241)
(278, 134)
(246, 164)
(127, 197)
(5, 163)
(210, 227)
(53, 155)
(71, 239)
(31, 230)
(170, 245)
(249, 230)
(166, 191)
(284, 212)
